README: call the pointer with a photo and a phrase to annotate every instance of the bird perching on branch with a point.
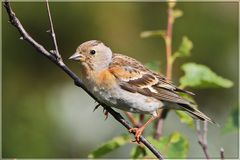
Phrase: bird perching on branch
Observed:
(124, 83)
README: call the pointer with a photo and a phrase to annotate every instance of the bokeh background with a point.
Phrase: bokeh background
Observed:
(45, 116)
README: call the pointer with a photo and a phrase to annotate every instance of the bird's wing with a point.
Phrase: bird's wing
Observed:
(135, 77)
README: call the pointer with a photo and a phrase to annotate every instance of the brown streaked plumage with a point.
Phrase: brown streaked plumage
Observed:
(123, 82)
(135, 77)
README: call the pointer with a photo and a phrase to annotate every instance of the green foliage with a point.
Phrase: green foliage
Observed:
(138, 152)
(232, 121)
(154, 33)
(200, 76)
(173, 146)
(154, 66)
(109, 146)
(184, 49)
(177, 13)
(185, 118)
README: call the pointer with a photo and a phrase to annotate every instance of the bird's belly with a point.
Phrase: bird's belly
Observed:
(128, 101)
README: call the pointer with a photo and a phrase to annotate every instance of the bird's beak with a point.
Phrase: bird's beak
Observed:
(77, 57)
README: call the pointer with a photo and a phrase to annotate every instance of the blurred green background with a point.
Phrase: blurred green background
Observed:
(45, 116)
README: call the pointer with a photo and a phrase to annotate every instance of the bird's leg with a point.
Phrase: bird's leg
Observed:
(138, 131)
(132, 119)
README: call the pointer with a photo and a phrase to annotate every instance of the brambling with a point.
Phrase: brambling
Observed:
(124, 83)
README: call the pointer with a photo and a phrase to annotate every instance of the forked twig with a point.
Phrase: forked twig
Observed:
(59, 62)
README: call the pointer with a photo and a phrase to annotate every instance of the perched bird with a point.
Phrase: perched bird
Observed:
(124, 83)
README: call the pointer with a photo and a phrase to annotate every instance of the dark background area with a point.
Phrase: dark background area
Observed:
(45, 116)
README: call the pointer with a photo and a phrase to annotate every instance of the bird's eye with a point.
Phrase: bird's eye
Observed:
(92, 52)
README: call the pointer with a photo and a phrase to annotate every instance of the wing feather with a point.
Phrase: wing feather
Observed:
(135, 77)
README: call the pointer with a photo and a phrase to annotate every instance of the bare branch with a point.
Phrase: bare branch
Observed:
(205, 130)
(15, 22)
(56, 52)
(168, 45)
(202, 137)
(159, 127)
(222, 153)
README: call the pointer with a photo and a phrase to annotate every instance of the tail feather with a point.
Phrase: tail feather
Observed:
(195, 112)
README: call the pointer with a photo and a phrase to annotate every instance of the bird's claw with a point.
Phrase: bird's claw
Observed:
(138, 132)
(96, 107)
(105, 113)
(104, 110)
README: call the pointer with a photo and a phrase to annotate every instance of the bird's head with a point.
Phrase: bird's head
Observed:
(93, 54)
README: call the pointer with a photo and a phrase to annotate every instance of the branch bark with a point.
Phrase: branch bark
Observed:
(202, 137)
(59, 62)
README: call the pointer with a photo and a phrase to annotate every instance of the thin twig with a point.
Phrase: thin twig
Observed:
(159, 127)
(222, 153)
(202, 137)
(168, 45)
(159, 124)
(56, 51)
(205, 131)
(78, 82)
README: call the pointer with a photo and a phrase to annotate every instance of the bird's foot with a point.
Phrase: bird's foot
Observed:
(138, 132)
(104, 110)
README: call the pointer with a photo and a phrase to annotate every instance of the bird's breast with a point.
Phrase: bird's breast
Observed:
(104, 79)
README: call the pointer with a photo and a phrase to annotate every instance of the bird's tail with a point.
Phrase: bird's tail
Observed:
(196, 113)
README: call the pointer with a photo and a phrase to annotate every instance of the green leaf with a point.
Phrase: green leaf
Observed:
(184, 49)
(175, 137)
(178, 148)
(138, 152)
(177, 13)
(154, 66)
(185, 118)
(232, 121)
(109, 146)
(155, 33)
(173, 146)
(200, 76)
